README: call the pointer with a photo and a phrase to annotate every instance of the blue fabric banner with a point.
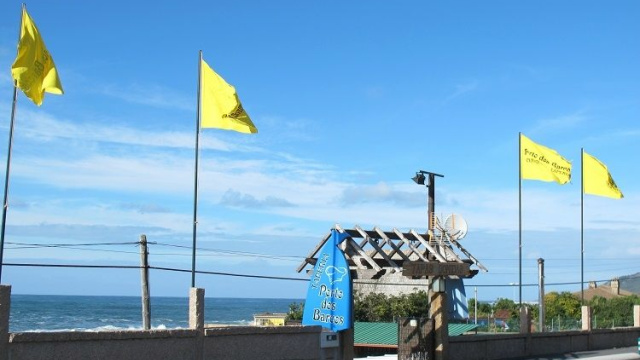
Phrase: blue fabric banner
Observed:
(457, 298)
(328, 302)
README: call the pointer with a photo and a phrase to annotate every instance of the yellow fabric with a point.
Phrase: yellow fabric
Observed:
(33, 69)
(220, 106)
(596, 178)
(542, 163)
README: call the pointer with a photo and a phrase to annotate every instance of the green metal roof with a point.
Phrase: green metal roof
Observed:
(379, 333)
(459, 329)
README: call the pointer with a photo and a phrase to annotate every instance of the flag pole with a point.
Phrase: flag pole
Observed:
(582, 226)
(5, 201)
(520, 219)
(195, 182)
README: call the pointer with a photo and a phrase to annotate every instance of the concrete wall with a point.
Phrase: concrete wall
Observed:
(247, 342)
(510, 346)
(282, 342)
(198, 343)
(389, 283)
(124, 345)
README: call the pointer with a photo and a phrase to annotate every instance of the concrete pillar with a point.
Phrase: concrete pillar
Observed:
(196, 319)
(525, 320)
(441, 324)
(346, 345)
(586, 318)
(5, 309)
(196, 308)
(636, 315)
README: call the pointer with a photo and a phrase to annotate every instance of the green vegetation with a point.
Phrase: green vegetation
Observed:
(613, 312)
(563, 305)
(563, 310)
(384, 308)
(295, 311)
(378, 307)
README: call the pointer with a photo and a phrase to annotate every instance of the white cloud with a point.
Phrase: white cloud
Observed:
(381, 192)
(235, 199)
(150, 95)
(43, 127)
(102, 172)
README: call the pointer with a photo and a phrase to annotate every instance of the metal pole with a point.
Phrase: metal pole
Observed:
(541, 295)
(582, 226)
(431, 201)
(520, 220)
(475, 311)
(195, 181)
(5, 201)
(144, 273)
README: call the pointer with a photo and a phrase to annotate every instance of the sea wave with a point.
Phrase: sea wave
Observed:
(104, 328)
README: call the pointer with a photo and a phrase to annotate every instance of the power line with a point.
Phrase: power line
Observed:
(266, 276)
(230, 274)
(74, 248)
(237, 253)
(154, 268)
(75, 244)
(74, 266)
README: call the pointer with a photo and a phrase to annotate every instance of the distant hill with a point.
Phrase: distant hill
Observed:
(630, 283)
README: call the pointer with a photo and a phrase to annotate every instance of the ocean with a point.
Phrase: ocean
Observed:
(95, 313)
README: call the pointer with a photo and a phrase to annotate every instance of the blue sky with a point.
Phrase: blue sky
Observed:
(350, 99)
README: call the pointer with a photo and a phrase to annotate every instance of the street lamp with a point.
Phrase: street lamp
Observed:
(419, 179)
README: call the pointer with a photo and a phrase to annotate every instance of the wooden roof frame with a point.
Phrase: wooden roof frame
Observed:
(387, 250)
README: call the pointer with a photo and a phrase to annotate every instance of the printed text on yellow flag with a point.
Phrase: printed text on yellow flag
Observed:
(539, 162)
(596, 178)
(33, 69)
(220, 106)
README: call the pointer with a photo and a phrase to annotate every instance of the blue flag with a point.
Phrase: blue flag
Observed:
(328, 301)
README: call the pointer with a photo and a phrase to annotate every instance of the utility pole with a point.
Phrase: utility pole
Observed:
(144, 273)
(541, 294)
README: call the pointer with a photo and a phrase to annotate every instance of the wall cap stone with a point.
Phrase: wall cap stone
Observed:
(101, 335)
(255, 330)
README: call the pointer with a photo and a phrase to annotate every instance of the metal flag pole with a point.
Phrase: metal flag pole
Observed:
(195, 182)
(582, 226)
(5, 201)
(520, 220)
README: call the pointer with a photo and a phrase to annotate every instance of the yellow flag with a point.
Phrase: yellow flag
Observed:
(220, 106)
(542, 163)
(596, 178)
(33, 69)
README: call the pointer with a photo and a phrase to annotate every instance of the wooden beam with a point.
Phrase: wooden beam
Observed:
(395, 247)
(360, 252)
(448, 251)
(406, 241)
(426, 244)
(378, 249)
(475, 261)
(313, 252)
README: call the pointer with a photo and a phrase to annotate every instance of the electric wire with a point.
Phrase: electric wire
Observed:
(154, 268)
(265, 276)
(74, 246)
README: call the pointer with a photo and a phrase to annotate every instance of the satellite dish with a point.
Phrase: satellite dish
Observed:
(455, 226)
